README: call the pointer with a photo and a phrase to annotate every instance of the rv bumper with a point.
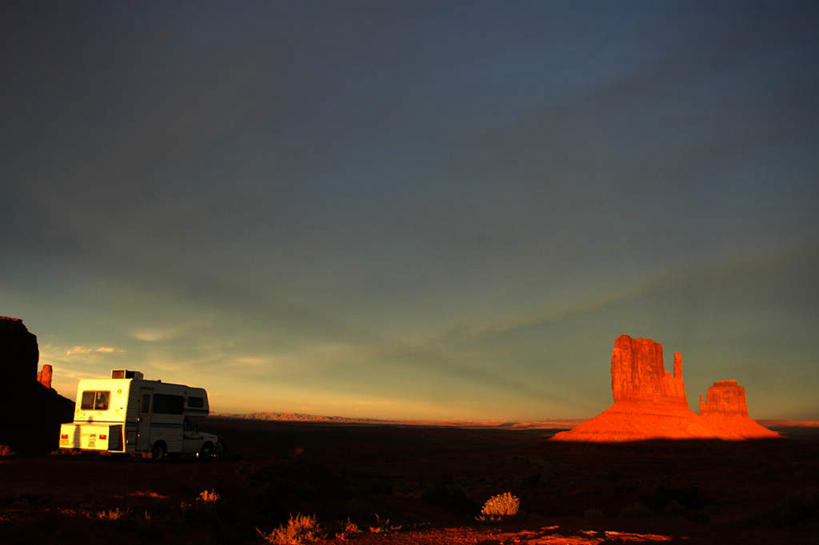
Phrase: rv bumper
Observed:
(98, 437)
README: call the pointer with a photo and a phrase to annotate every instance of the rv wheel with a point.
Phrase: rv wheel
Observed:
(158, 451)
(207, 451)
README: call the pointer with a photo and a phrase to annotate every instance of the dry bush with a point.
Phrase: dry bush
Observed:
(499, 507)
(5, 451)
(104, 514)
(299, 529)
(383, 526)
(350, 529)
(110, 514)
(208, 496)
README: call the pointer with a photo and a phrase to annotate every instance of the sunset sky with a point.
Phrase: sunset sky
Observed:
(414, 210)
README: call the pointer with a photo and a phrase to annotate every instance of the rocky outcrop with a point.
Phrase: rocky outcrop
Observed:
(650, 403)
(30, 411)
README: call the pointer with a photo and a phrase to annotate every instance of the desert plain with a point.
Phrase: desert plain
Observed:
(423, 484)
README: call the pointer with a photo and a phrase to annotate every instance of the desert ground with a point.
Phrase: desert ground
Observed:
(418, 485)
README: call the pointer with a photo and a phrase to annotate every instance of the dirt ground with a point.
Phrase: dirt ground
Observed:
(412, 485)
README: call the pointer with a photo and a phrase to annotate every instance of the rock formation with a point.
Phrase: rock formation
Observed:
(725, 398)
(650, 403)
(726, 413)
(638, 374)
(19, 353)
(44, 375)
(30, 411)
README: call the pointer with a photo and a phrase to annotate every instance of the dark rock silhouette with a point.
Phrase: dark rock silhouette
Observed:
(19, 353)
(650, 403)
(30, 412)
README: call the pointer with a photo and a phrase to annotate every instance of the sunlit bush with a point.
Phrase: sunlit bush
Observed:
(499, 507)
(350, 529)
(208, 496)
(110, 514)
(299, 529)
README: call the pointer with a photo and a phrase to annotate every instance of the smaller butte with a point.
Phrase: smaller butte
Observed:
(726, 413)
(650, 403)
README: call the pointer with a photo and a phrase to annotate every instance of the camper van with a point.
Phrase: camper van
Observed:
(128, 414)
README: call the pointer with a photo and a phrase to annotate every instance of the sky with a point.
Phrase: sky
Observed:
(415, 210)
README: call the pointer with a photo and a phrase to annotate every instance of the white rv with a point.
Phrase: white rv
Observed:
(128, 414)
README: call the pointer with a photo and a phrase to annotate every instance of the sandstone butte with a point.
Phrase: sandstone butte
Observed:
(650, 403)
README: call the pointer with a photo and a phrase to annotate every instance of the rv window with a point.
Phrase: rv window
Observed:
(101, 402)
(146, 403)
(87, 401)
(168, 404)
(95, 401)
(196, 402)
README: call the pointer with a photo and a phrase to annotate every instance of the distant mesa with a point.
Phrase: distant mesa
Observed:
(30, 410)
(650, 403)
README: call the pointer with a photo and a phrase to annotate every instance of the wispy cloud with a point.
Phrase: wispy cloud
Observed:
(86, 350)
(77, 352)
(153, 335)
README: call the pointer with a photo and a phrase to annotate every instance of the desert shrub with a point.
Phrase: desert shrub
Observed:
(208, 496)
(112, 514)
(5, 451)
(500, 506)
(350, 529)
(207, 508)
(102, 514)
(383, 526)
(298, 530)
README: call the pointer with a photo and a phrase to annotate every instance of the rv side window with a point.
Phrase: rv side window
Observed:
(196, 402)
(95, 401)
(168, 404)
(146, 403)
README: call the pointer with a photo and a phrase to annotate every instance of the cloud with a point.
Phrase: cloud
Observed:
(152, 335)
(87, 350)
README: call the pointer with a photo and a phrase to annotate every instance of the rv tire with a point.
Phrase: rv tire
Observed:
(159, 451)
(206, 453)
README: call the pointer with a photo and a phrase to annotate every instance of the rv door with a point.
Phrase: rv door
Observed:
(144, 425)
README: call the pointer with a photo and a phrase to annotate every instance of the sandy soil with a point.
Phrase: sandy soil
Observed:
(426, 485)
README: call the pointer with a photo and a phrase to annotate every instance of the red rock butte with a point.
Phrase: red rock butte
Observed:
(650, 403)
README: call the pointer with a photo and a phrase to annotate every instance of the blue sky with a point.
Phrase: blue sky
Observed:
(414, 210)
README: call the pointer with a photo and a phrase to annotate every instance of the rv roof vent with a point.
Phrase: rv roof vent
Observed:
(124, 373)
